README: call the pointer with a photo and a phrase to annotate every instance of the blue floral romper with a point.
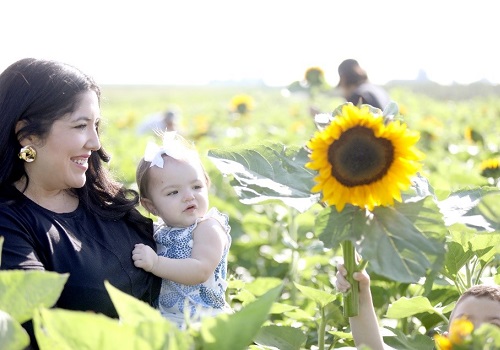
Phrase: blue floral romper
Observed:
(177, 301)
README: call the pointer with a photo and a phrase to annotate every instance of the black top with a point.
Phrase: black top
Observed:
(371, 94)
(89, 248)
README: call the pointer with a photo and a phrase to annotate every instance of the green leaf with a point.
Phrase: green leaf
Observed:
(269, 171)
(487, 336)
(64, 329)
(236, 331)
(466, 245)
(320, 297)
(12, 334)
(22, 291)
(456, 258)
(303, 315)
(403, 242)
(283, 338)
(132, 310)
(464, 207)
(489, 207)
(333, 227)
(420, 189)
(406, 307)
(146, 320)
(404, 342)
(486, 245)
(341, 335)
(391, 110)
(262, 285)
(280, 308)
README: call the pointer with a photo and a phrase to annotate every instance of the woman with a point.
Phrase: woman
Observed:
(60, 210)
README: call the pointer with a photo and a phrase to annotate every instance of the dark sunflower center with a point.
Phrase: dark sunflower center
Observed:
(242, 108)
(359, 158)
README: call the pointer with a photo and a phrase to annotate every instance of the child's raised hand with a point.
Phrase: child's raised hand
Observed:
(364, 326)
(343, 285)
(144, 257)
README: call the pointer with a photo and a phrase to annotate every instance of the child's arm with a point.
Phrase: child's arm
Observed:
(209, 241)
(364, 327)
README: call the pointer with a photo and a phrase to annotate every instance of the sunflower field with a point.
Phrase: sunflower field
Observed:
(425, 215)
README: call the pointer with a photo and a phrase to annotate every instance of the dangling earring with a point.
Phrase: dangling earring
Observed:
(27, 153)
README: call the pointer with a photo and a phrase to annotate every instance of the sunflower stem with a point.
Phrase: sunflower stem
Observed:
(351, 299)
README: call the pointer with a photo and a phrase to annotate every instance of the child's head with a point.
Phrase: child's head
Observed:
(480, 304)
(172, 181)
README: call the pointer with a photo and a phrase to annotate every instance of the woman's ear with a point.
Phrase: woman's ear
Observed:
(148, 204)
(25, 141)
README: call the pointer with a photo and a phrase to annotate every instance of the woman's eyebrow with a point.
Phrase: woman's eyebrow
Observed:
(80, 118)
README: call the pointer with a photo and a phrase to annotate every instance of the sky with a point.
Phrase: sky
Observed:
(185, 42)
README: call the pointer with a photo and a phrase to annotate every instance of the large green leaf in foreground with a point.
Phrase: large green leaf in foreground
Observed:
(12, 334)
(139, 327)
(269, 171)
(236, 331)
(63, 329)
(21, 292)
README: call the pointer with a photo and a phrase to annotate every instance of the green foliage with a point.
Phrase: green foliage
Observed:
(21, 294)
(19, 301)
(285, 237)
(236, 331)
(12, 334)
(280, 337)
(286, 240)
(141, 327)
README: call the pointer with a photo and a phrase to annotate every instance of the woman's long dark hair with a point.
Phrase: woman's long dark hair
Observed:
(39, 92)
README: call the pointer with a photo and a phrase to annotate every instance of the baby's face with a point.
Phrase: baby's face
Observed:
(178, 191)
(478, 311)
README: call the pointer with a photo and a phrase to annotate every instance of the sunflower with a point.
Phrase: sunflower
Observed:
(442, 342)
(472, 135)
(490, 167)
(362, 159)
(314, 76)
(242, 104)
(460, 334)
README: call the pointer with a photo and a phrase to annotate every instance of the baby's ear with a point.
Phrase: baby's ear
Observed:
(148, 204)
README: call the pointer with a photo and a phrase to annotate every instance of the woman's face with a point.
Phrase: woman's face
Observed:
(62, 157)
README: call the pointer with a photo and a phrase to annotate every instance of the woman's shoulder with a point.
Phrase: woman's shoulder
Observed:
(8, 193)
(12, 201)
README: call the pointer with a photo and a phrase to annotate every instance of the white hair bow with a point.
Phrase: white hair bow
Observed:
(171, 147)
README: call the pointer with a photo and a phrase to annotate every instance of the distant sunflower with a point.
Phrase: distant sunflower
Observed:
(473, 136)
(315, 76)
(490, 167)
(242, 104)
(363, 160)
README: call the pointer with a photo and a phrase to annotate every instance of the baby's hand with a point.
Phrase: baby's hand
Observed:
(144, 257)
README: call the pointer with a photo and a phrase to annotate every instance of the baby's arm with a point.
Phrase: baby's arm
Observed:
(209, 241)
(364, 327)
